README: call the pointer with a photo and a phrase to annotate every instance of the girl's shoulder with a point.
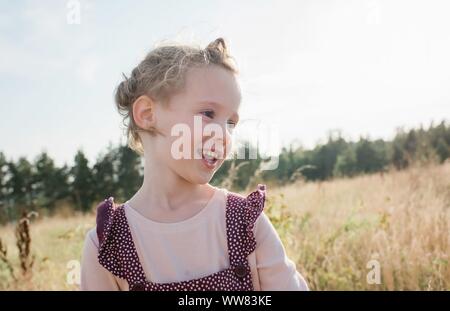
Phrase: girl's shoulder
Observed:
(104, 211)
(251, 205)
(252, 201)
(248, 208)
(95, 235)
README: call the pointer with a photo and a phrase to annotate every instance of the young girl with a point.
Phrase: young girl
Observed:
(177, 232)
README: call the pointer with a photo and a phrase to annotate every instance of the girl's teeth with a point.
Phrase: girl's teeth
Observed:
(210, 154)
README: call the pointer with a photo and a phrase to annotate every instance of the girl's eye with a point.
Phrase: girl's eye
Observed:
(208, 113)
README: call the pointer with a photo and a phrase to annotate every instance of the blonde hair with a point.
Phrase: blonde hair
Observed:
(162, 74)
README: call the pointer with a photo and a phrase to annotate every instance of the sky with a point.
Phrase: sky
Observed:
(363, 67)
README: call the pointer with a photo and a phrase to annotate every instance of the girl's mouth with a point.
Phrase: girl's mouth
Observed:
(210, 158)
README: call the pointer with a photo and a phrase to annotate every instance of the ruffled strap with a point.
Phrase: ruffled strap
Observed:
(255, 202)
(105, 211)
(115, 241)
(117, 252)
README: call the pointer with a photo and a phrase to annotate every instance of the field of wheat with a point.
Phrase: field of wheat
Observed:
(338, 232)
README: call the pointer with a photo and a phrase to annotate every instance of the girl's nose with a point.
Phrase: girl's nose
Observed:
(222, 139)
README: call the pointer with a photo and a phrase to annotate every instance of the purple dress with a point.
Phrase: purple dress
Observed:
(117, 252)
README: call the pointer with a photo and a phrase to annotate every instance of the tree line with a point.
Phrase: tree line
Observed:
(118, 171)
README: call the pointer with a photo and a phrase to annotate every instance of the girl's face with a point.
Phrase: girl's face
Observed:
(197, 124)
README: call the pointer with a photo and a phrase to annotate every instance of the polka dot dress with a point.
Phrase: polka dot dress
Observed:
(117, 252)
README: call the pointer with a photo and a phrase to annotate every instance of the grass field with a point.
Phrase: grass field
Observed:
(336, 232)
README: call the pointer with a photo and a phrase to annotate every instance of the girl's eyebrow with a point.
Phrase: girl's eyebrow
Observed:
(211, 102)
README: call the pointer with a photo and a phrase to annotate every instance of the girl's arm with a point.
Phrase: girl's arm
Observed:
(275, 270)
(93, 275)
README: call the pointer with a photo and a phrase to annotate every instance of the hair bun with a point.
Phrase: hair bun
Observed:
(218, 44)
(126, 92)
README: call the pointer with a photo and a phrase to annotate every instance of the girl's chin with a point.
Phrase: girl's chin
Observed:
(199, 172)
(201, 179)
(206, 170)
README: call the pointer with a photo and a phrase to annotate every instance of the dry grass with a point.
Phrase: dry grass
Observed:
(330, 229)
(401, 219)
(55, 242)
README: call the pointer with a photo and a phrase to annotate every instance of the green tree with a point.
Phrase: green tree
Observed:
(105, 174)
(51, 183)
(21, 182)
(346, 163)
(82, 182)
(3, 178)
(370, 156)
(129, 174)
(324, 157)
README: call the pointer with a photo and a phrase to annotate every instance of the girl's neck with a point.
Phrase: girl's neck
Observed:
(167, 197)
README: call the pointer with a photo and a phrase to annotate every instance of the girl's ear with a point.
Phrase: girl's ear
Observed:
(144, 112)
